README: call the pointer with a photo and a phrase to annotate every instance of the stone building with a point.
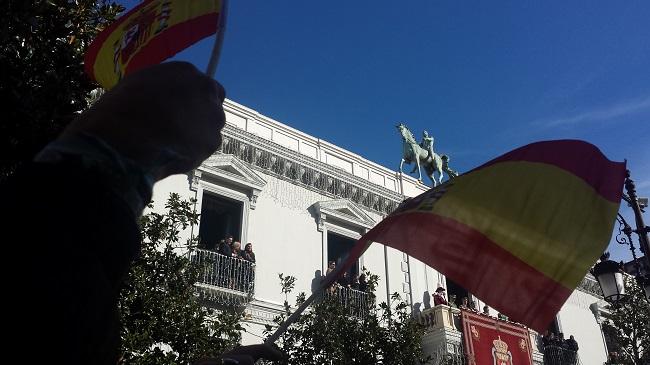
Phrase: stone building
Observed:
(302, 202)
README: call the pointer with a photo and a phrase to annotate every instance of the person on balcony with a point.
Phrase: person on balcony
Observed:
(363, 283)
(486, 310)
(472, 306)
(439, 297)
(224, 248)
(236, 267)
(248, 253)
(452, 301)
(464, 303)
(249, 256)
(572, 347)
(344, 280)
(354, 283)
(331, 266)
(236, 250)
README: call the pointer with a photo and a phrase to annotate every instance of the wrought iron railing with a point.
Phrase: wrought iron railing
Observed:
(558, 355)
(226, 280)
(357, 303)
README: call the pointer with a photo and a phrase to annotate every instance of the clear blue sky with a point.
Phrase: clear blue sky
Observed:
(482, 78)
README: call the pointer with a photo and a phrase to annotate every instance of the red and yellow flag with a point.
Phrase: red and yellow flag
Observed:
(519, 232)
(148, 34)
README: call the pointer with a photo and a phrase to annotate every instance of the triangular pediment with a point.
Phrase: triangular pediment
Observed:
(345, 210)
(233, 170)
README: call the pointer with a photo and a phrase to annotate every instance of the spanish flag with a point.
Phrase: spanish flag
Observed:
(148, 34)
(519, 232)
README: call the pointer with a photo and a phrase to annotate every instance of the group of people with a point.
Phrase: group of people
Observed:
(357, 282)
(233, 268)
(558, 350)
(231, 248)
(466, 304)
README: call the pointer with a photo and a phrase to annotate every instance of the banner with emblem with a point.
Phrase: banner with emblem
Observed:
(489, 341)
(148, 34)
(519, 232)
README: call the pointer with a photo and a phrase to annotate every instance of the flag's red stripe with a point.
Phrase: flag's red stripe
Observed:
(469, 258)
(577, 157)
(173, 40)
(96, 45)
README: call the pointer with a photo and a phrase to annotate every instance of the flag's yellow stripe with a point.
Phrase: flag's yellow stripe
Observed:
(544, 215)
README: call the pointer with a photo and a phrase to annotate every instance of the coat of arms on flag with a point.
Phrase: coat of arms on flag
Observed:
(149, 34)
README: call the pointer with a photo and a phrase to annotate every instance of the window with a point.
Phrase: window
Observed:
(220, 217)
(456, 290)
(338, 248)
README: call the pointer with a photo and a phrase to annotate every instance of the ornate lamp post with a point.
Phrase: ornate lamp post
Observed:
(609, 273)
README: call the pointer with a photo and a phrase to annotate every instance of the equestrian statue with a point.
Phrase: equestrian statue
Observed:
(422, 155)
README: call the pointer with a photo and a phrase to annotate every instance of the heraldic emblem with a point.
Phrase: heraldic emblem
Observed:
(500, 353)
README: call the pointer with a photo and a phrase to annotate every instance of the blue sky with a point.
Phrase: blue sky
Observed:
(482, 78)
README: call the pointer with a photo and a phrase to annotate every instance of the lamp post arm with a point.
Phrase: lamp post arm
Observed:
(641, 229)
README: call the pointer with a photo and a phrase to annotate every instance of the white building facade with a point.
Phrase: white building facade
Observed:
(302, 202)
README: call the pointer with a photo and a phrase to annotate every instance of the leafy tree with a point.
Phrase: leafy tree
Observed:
(163, 321)
(329, 334)
(627, 328)
(42, 82)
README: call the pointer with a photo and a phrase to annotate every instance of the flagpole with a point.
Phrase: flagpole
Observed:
(327, 281)
(216, 49)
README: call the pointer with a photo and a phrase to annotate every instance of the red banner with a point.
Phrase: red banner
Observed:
(489, 341)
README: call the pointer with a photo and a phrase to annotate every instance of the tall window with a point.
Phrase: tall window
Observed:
(456, 290)
(338, 248)
(220, 217)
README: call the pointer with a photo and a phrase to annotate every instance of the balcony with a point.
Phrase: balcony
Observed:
(357, 303)
(442, 340)
(558, 355)
(224, 280)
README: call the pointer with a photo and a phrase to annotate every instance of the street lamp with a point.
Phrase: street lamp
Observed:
(609, 273)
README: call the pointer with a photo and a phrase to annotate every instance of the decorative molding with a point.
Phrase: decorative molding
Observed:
(287, 164)
(590, 285)
(262, 312)
(343, 210)
(234, 171)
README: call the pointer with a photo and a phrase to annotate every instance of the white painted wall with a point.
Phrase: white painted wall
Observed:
(576, 319)
(284, 232)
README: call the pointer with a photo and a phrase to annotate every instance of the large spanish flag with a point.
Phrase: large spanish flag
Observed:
(519, 232)
(148, 34)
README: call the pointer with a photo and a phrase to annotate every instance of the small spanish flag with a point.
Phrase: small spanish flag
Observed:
(148, 34)
(519, 232)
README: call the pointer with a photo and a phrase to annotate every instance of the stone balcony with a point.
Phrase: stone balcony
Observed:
(443, 340)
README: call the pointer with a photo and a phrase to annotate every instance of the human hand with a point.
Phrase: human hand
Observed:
(246, 355)
(171, 109)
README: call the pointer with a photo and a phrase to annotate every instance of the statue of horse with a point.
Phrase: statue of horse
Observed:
(412, 152)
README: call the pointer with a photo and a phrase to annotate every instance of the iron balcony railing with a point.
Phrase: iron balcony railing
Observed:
(558, 355)
(224, 279)
(357, 303)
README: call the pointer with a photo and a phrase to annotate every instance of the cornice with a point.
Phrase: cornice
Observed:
(277, 160)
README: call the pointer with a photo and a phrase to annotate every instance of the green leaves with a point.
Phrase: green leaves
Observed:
(163, 321)
(327, 333)
(42, 83)
(627, 328)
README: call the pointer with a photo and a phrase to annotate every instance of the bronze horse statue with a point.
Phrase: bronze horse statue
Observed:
(423, 156)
